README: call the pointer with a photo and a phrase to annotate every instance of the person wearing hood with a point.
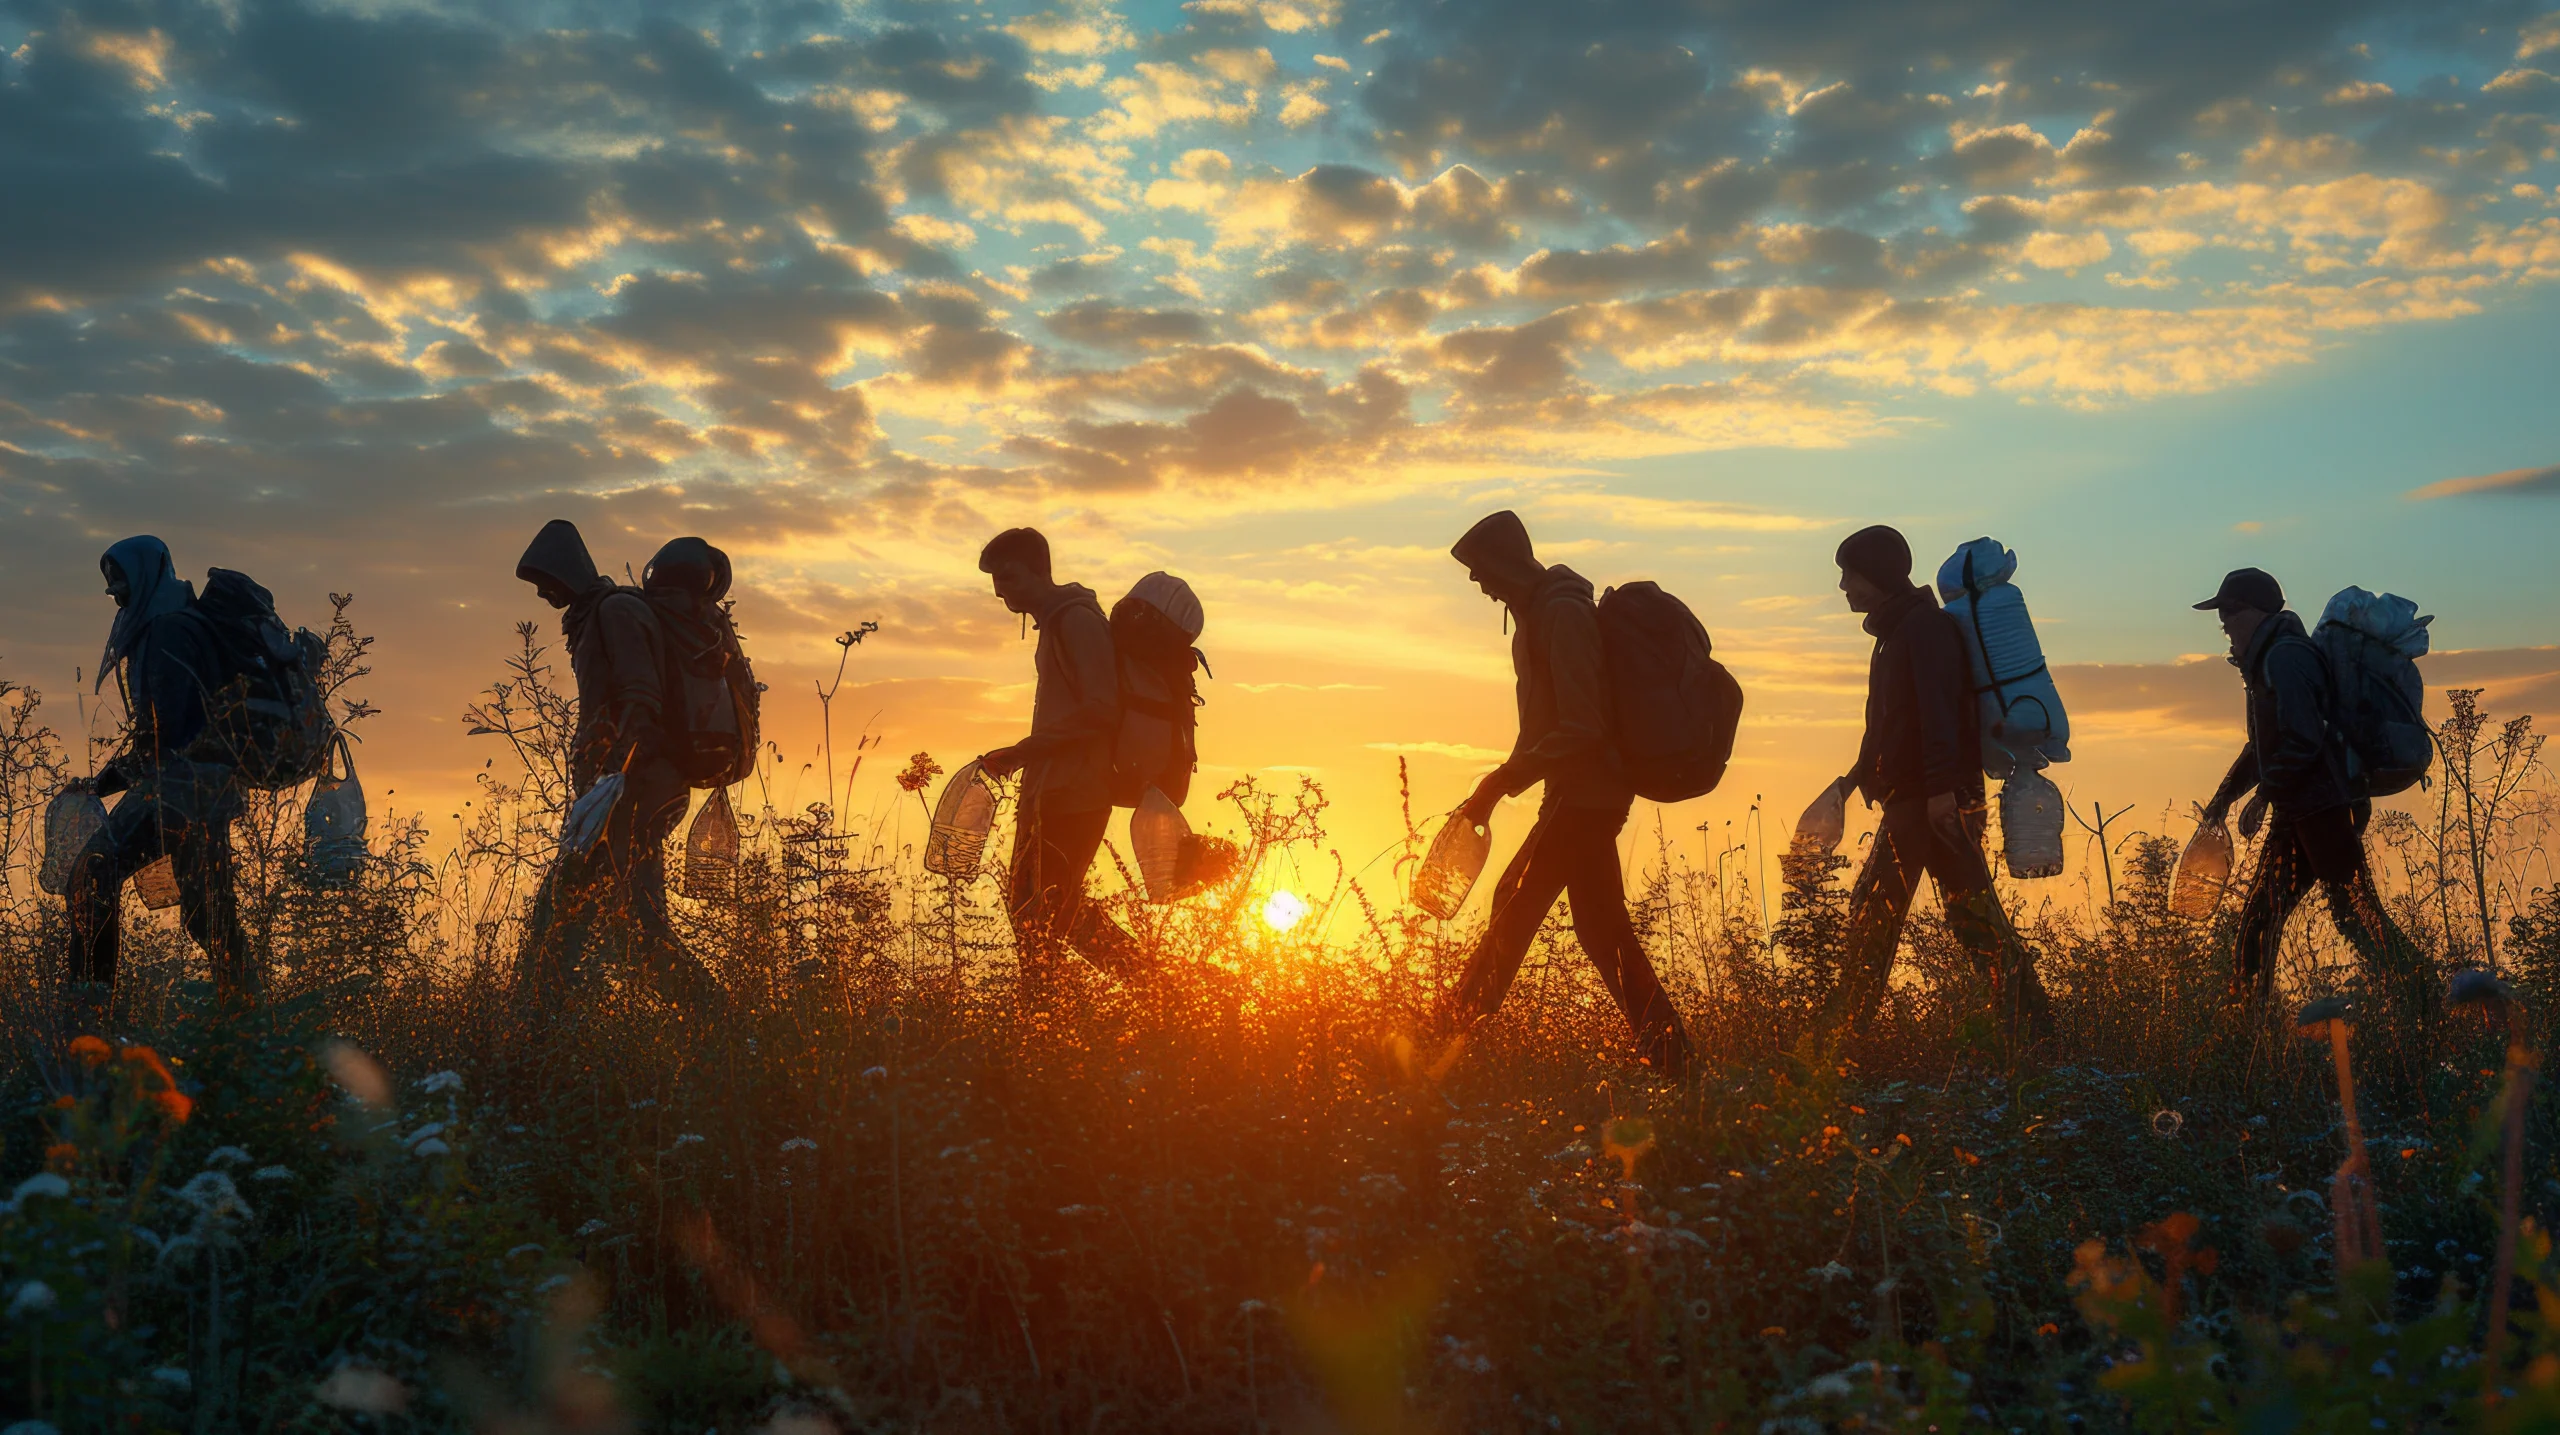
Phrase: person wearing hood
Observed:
(1565, 742)
(2315, 819)
(166, 662)
(1065, 763)
(1921, 759)
(620, 881)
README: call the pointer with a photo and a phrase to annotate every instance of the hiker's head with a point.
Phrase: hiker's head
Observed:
(1875, 567)
(688, 565)
(1017, 560)
(119, 587)
(1500, 558)
(2246, 599)
(136, 567)
(557, 564)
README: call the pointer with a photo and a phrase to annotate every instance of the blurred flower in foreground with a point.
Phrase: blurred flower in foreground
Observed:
(921, 769)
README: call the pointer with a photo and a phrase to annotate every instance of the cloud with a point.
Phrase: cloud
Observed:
(2545, 479)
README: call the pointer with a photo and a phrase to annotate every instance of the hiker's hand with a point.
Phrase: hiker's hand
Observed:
(1478, 808)
(2253, 816)
(1003, 762)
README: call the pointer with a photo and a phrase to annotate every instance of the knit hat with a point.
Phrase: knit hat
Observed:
(1879, 554)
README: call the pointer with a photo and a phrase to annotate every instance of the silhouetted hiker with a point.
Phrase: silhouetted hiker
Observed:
(2294, 761)
(1565, 743)
(1922, 759)
(620, 882)
(175, 805)
(1065, 764)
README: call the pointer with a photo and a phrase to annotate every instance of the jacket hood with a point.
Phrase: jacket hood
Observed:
(1901, 606)
(560, 554)
(1068, 595)
(155, 587)
(1499, 547)
(689, 565)
(1562, 582)
(2278, 625)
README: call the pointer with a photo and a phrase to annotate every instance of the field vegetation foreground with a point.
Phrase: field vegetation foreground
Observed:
(879, 1193)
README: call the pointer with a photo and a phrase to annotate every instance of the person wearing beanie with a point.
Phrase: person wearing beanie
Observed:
(614, 893)
(1564, 743)
(1921, 759)
(2294, 762)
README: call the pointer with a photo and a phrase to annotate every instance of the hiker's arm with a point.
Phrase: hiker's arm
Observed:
(1943, 706)
(2242, 776)
(1569, 637)
(2296, 678)
(627, 632)
(1093, 683)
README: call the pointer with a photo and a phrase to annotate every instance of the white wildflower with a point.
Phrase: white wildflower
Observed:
(874, 1073)
(687, 1139)
(432, 1146)
(529, 1248)
(799, 1143)
(33, 1296)
(272, 1173)
(30, 1427)
(440, 1081)
(212, 1193)
(226, 1156)
(592, 1228)
(426, 1132)
(1829, 1271)
(43, 1183)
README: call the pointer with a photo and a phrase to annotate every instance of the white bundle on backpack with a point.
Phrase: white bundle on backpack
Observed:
(1152, 633)
(2022, 716)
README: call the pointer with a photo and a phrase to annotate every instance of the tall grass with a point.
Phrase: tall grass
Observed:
(877, 1191)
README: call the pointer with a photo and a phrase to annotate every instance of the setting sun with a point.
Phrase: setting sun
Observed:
(1286, 909)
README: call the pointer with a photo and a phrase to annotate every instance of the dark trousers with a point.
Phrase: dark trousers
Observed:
(1573, 852)
(152, 821)
(1044, 892)
(1906, 846)
(2327, 849)
(611, 900)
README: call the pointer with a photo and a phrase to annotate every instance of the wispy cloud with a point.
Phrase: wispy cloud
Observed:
(2545, 479)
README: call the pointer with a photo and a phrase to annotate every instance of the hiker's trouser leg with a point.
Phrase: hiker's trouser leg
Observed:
(132, 839)
(1052, 852)
(635, 847)
(1536, 876)
(209, 904)
(1585, 842)
(1975, 918)
(2281, 879)
(2332, 844)
(1879, 900)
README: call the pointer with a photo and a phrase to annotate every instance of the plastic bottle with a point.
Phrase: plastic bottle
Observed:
(157, 885)
(1449, 872)
(962, 818)
(711, 850)
(2031, 818)
(70, 820)
(333, 821)
(2204, 873)
(1156, 830)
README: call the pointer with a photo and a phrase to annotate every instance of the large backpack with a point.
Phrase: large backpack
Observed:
(266, 713)
(1153, 632)
(713, 704)
(2377, 700)
(1676, 707)
(2021, 711)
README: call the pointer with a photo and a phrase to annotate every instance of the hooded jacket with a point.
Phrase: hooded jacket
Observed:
(1561, 683)
(1075, 705)
(170, 663)
(1923, 736)
(613, 655)
(2291, 758)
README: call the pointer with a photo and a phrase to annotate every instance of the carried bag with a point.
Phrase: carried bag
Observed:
(1449, 872)
(2031, 815)
(2204, 873)
(157, 885)
(1674, 706)
(70, 820)
(333, 821)
(711, 850)
(1154, 631)
(266, 713)
(713, 705)
(2377, 699)
(2023, 722)
(962, 818)
(1157, 831)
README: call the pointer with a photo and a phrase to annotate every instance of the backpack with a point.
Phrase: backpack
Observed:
(1676, 707)
(2377, 700)
(2023, 721)
(266, 714)
(713, 708)
(1152, 633)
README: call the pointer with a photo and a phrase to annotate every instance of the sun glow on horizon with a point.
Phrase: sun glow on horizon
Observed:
(1283, 910)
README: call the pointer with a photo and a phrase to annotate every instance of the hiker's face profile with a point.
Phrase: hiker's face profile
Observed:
(118, 587)
(552, 593)
(2240, 625)
(1864, 596)
(1485, 583)
(1015, 583)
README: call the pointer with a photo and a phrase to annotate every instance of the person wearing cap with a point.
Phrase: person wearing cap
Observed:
(2315, 819)
(1921, 759)
(1065, 762)
(1565, 743)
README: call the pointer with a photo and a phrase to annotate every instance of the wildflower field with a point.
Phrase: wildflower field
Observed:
(877, 1193)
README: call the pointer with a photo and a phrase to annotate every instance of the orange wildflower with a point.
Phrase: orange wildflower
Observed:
(174, 1104)
(61, 1155)
(90, 1050)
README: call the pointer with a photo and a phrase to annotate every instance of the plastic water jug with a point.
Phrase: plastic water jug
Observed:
(711, 850)
(2204, 873)
(1156, 832)
(590, 814)
(333, 821)
(70, 820)
(157, 885)
(1825, 821)
(2031, 817)
(1448, 873)
(962, 818)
